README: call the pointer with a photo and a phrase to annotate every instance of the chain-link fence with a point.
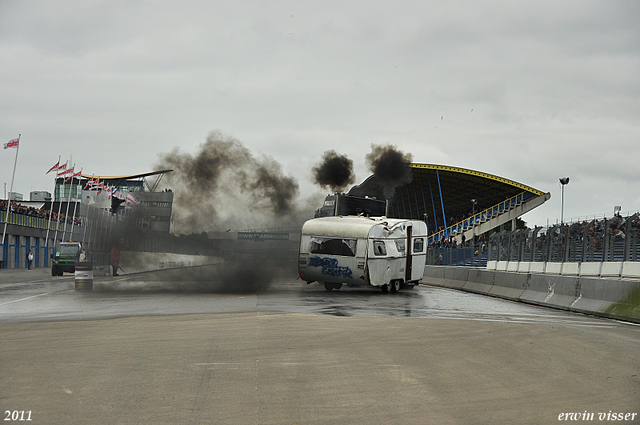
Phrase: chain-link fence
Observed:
(615, 239)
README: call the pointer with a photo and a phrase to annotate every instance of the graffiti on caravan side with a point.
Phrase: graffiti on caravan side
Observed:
(330, 266)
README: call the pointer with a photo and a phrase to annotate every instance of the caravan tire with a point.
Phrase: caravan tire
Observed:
(328, 286)
(395, 285)
(386, 288)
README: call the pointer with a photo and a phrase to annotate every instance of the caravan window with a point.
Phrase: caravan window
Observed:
(418, 245)
(400, 246)
(379, 248)
(333, 246)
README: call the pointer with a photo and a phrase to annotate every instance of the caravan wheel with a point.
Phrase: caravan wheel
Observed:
(328, 286)
(395, 285)
(386, 288)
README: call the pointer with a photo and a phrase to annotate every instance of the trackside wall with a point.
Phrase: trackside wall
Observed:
(613, 298)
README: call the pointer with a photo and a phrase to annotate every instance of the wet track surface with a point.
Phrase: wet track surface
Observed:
(43, 298)
(225, 346)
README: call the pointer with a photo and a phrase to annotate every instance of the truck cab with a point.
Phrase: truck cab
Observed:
(64, 260)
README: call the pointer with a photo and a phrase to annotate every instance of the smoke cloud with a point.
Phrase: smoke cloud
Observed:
(228, 277)
(224, 186)
(391, 166)
(335, 171)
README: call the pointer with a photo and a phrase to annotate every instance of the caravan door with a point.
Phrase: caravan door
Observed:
(408, 272)
(418, 250)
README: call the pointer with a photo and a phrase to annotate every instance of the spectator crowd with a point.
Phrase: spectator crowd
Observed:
(16, 208)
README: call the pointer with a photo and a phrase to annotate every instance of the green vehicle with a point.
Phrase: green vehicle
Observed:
(65, 258)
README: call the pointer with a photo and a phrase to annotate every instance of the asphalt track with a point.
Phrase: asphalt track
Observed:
(172, 348)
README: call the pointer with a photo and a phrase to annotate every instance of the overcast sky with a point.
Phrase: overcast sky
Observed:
(529, 91)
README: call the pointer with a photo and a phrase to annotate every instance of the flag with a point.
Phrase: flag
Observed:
(96, 184)
(91, 183)
(12, 144)
(56, 167)
(132, 200)
(78, 174)
(69, 171)
(61, 168)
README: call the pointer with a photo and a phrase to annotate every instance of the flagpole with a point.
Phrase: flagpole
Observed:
(55, 238)
(6, 216)
(46, 241)
(75, 206)
(66, 218)
(84, 231)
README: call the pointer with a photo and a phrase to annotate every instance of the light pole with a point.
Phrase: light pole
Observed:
(426, 220)
(563, 181)
(474, 201)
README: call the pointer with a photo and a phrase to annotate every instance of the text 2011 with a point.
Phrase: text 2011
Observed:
(17, 415)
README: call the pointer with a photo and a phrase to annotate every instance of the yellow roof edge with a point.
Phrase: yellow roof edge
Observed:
(479, 174)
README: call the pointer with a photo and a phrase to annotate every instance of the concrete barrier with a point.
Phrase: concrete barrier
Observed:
(524, 266)
(565, 292)
(600, 294)
(615, 298)
(611, 269)
(512, 266)
(537, 267)
(479, 281)
(539, 290)
(570, 269)
(456, 276)
(590, 269)
(553, 268)
(631, 270)
(509, 285)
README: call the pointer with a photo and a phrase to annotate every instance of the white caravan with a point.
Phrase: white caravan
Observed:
(388, 253)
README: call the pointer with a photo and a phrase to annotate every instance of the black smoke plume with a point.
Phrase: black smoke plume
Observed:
(224, 186)
(391, 166)
(335, 171)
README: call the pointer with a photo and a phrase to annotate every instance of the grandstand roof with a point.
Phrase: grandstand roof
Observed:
(434, 185)
(132, 182)
(130, 177)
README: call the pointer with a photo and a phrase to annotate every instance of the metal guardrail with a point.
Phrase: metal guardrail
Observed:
(35, 222)
(459, 256)
(481, 217)
(615, 239)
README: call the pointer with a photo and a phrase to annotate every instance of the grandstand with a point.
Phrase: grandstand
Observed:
(80, 212)
(143, 189)
(456, 201)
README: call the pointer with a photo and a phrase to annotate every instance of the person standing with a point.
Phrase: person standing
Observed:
(29, 259)
(115, 260)
(83, 255)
